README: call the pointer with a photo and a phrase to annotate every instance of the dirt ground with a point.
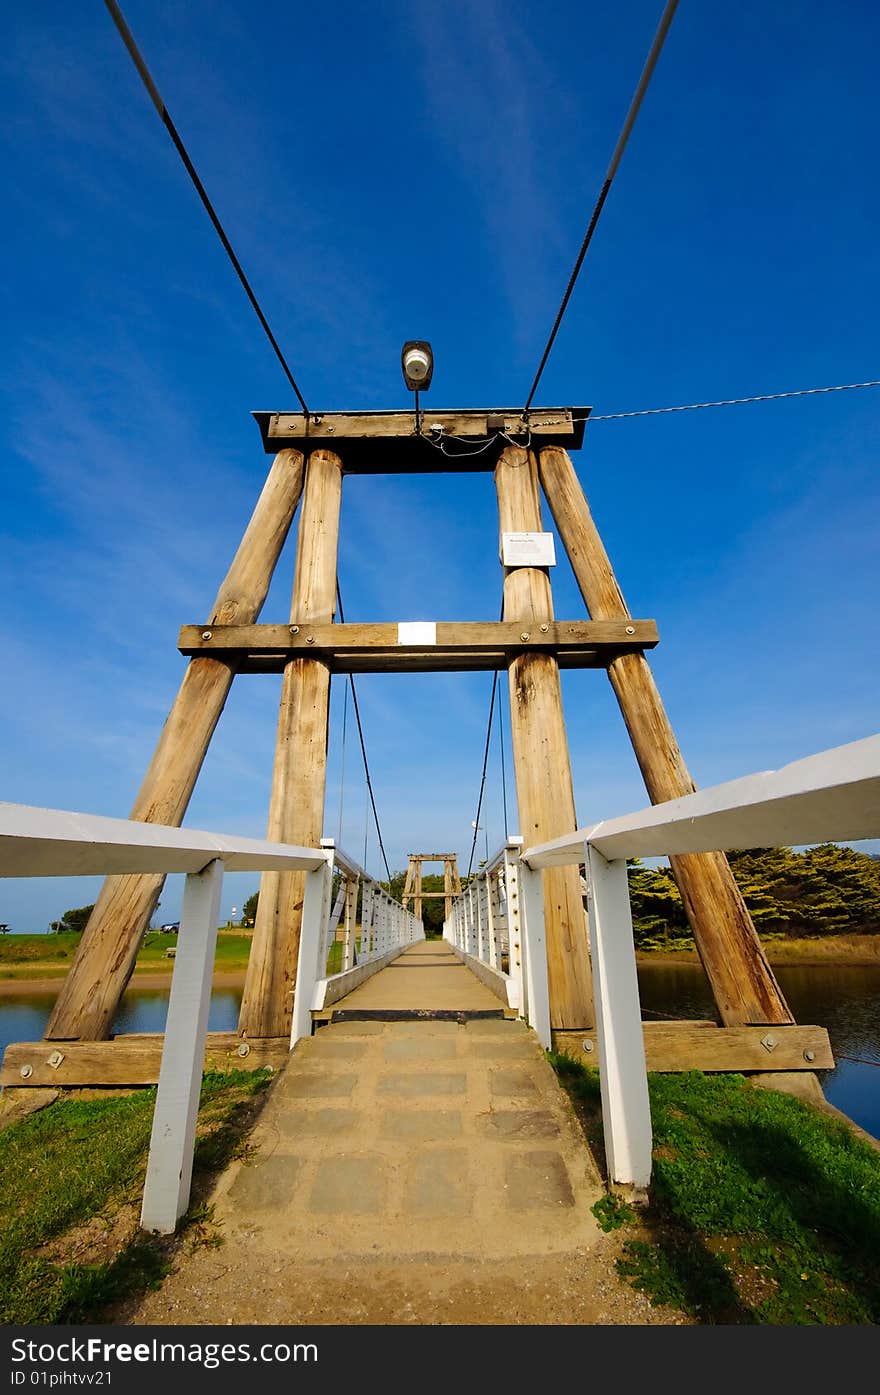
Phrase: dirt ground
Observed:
(579, 1288)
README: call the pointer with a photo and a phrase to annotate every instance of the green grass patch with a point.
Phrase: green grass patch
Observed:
(611, 1211)
(71, 1178)
(762, 1211)
(34, 949)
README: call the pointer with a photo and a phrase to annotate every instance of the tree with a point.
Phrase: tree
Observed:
(824, 890)
(658, 913)
(72, 922)
(249, 910)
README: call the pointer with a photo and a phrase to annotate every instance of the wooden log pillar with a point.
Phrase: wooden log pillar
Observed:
(736, 966)
(296, 810)
(545, 795)
(108, 949)
(447, 888)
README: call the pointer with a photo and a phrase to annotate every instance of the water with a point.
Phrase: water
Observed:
(142, 1010)
(843, 998)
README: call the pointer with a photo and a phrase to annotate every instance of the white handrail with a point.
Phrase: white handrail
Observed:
(387, 928)
(57, 842)
(497, 922)
(834, 795)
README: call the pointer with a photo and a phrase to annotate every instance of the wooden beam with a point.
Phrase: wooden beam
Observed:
(388, 443)
(743, 984)
(296, 810)
(105, 957)
(545, 795)
(683, 1046)
(377, 648)
(127, 1060)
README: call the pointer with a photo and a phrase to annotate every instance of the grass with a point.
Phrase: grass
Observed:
(46, 956)
(71, 1178)
(762, 1211)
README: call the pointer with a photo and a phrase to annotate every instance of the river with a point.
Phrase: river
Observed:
(843, 998)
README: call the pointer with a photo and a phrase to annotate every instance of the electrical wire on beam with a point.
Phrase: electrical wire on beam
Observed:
(357, 717)
(642, 87)
(155, 97)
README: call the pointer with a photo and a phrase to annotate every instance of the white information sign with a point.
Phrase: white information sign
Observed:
(417, 632)
(528, 550)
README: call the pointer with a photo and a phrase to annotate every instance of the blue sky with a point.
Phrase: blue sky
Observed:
(389, 172)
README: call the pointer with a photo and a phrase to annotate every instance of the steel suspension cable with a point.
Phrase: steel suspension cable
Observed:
(357, 717)
(642, 87)
(483, 776)
(155, 97)
(503, 769)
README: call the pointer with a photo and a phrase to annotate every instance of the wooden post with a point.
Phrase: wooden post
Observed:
(742, 981)
(87, 1003)
(447, 887)
(417, 903)
(408, 884)
(296, 810)
(545, 796)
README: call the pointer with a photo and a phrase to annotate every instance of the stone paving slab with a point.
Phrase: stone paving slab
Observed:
(413, 1139)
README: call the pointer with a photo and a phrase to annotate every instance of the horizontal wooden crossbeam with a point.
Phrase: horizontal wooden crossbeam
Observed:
(457, 645)
(679, 1046)
(371, 443)
(127, 1060)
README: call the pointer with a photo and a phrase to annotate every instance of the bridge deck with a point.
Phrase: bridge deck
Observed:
(428, 976)
(393, 1154)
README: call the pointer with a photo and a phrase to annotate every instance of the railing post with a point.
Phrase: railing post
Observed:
(316, 909)
(169, 1165)
(366, 921)
(351, 891)
(626, 1112)
(493, 916)
(536, 989)
(512, 893)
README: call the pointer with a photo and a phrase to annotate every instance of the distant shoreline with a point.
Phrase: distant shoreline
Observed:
(857, 951)
(20, 986)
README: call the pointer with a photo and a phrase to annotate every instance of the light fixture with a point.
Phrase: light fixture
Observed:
(417, 361)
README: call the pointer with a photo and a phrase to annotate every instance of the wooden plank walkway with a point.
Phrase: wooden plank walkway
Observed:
(418, 1148)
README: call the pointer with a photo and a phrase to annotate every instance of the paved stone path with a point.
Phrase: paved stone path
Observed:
(401, 1157)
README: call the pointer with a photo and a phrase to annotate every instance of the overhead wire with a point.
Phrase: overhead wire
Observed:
(165, 116)
(641, 88)
(357, 716)
(732, 401)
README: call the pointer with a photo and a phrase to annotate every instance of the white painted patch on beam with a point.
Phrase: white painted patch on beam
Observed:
(422, 632)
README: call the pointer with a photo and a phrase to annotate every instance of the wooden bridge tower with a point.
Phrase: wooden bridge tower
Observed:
(412, 890)
(527, 452)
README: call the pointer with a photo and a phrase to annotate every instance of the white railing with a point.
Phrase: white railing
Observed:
(383, 931)
(497, 925)
(57, 843)
(831, 796)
